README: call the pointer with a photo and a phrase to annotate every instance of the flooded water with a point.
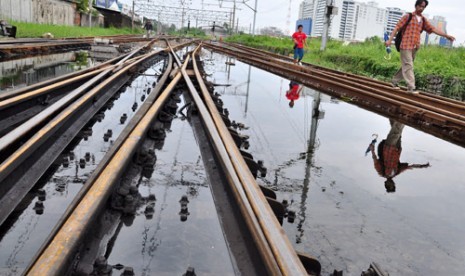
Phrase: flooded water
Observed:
(18, 73)
(346, 217)
(19, 242)
(175, 239)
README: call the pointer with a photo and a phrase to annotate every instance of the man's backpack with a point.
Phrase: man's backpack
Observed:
(400, 33)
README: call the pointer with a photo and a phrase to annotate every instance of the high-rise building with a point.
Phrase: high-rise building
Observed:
(306, 9)
(361, 20)
(440, 23)
(348, 20)
(393, 16)
(319, 17)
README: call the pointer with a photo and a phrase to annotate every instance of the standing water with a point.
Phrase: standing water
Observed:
(409, 220)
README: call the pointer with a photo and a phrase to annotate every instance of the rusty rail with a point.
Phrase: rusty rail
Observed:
(276, 250)
(57, 251)
(421, 114)
(362, 82)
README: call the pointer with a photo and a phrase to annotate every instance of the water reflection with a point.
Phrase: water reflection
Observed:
(23, 72)
(387, 163)
(293, 94)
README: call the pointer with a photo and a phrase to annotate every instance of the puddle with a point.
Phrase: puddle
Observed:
(15, 74)
(19, 243)
(175, 239)
(344, 215)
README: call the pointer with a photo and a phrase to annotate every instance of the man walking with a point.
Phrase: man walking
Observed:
(148, 28)
(412, 24)
(300, 40)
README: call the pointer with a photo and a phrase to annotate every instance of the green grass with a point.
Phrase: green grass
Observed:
(59, 31)
(367, 58)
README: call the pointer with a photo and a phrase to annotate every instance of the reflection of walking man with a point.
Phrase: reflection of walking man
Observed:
(293, 93)
(388, 164)
(413, 25)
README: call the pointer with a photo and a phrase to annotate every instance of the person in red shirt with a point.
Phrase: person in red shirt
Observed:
(293, 93)
(388, 164)
(300, 40)
(414, 24)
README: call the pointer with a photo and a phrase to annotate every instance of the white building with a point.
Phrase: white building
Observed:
(354, 20)
(361, 20)
(440, 23)
(306, 9)
(394, 15)
(319, 10)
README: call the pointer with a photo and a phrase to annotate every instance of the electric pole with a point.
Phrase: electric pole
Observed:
(254, 17)
(330, 10)
(90, 13)
(132, 16)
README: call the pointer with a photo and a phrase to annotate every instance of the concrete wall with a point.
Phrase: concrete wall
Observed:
(97, 21)
(39, 11)
(20, 10)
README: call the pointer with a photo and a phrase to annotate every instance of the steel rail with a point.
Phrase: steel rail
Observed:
(429, 121)
(68, 78)
(245, 208)
(41, 45)
(286, 58)
(7, 204)
(374, 82)
(391, 97)
(367, 83)
(56, 256)
(56, 82)
(17, 133)
(13, 101)
(283, 252)
(106, 159)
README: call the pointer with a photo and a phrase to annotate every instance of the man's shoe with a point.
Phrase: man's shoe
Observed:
(300, 63)
(395, 85)
(412, 91)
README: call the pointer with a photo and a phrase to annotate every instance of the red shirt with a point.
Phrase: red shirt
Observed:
(411, 36)
(293, 93)
(299, 37)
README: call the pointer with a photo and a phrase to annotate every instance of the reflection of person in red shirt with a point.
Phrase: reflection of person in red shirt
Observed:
(388, 164)
(293, 93)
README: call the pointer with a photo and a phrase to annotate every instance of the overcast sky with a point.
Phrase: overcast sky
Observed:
(275, 12)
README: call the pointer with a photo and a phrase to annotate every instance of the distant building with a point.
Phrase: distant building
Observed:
(361, 20)
(306, 9)
(440, 23)
(393, 16)
(319, 17)
(306, 23)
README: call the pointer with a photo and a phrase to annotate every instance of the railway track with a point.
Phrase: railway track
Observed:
(37, 142)
(70, 249)
(16, 106)
(439, 116)
(60, 252)
(13, 49)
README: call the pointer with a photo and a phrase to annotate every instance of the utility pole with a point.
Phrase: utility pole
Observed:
(233, 17)
(159, 26)
(330, 10)
(132, 17)
(237, 26)
(182, 17)
(90, 13)
(254, 17)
